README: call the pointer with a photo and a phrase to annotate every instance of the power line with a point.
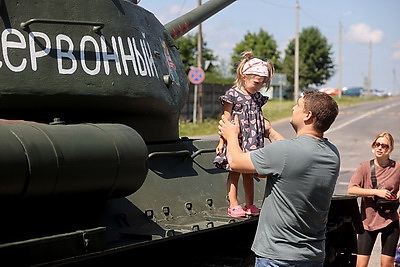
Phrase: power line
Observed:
(275, 4)
(301, 10)
(182, 7)
(318, 22)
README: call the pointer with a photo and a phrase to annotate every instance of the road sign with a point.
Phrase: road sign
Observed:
(196, 75)
(278, 79)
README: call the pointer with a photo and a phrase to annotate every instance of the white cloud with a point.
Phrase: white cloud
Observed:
(220, 38)
(397, 45)
(362, 33)
(171, 13)
(396, 53)
(177, 10)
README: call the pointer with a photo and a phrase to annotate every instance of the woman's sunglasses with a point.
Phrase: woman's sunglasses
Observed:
(384, 146)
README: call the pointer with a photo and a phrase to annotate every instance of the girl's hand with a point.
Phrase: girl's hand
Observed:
(268, 125)
(218, 150)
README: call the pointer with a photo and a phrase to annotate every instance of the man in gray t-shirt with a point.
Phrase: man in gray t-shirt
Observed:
(301, 176)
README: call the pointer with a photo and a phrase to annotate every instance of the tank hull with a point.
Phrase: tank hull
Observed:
(178, 215)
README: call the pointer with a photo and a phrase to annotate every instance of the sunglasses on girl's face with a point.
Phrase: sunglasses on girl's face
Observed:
(384, 146)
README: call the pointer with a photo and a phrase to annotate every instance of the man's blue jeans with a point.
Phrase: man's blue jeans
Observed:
(264, 262)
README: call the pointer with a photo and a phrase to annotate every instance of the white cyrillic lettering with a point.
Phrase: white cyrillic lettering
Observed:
(139, 59)
(125, 57)
(91, 53)
(151, 61)
(41, 53)
(67, 54)
(96, 70)
(112, 56)
(143, 46)
(9, 44)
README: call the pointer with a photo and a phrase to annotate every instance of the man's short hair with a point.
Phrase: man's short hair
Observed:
(323, 108)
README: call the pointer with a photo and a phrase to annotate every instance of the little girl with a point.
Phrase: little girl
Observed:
(245, 101)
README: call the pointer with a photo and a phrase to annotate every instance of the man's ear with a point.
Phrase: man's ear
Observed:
(308, 117)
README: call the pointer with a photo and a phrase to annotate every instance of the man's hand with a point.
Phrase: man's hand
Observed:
(239, 161)
(227, 129)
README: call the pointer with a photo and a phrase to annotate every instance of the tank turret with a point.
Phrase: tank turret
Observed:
(97, 62)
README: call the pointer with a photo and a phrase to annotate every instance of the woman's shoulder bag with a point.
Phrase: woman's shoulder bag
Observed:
(383, 205)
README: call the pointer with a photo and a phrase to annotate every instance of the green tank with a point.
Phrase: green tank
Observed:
(103, 177)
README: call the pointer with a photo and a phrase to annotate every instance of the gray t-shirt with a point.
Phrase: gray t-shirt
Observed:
(302, 174)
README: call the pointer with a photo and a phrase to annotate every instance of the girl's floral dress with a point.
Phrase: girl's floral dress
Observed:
(248, 108)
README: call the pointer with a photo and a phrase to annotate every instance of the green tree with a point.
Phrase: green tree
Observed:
(188, 51)
(263, 46)
(315, 62)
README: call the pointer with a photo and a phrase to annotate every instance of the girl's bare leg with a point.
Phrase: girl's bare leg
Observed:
(232, 187)
(248, 186)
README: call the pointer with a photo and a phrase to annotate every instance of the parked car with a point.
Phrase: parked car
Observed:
(352, 91)
(330, 90)
(375, 92)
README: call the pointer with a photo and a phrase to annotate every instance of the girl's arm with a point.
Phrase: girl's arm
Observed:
(228, 107)
(271, 133)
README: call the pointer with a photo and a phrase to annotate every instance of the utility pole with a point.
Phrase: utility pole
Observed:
(394, 89)
(200, 65)
(296, 56)
(340, 61)
(369, 83)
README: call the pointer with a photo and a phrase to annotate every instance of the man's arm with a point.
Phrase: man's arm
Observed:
(4, 121)
(239, 161)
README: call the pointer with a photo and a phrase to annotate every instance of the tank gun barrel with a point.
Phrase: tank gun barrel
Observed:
(185, 23)
(51, 162)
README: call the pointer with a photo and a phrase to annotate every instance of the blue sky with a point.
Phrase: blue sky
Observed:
(362, 21)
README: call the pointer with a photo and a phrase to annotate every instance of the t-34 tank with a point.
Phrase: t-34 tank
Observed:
(102, 176)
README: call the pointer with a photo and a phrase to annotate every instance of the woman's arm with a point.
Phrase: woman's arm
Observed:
(363, 192)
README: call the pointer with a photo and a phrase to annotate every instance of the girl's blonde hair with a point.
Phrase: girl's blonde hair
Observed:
(388, 137)
(247, 55)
